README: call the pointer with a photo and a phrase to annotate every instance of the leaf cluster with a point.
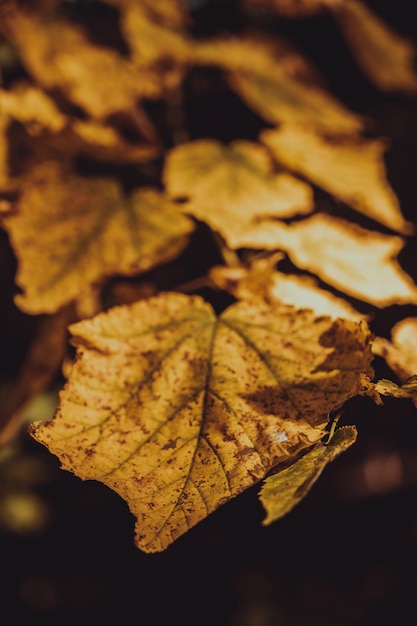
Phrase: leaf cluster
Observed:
(136, 232)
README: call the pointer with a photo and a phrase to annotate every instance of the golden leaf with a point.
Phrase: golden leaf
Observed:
(401, 352)
(32, 107)
(179, 411)
(172, 13)
(59, 55)
(151, 41)
(104, 143)
(232, 187)
(389, 388)
(356, 261)
(260, 281)
(278, 83)
(70, 233)
(351, 170)
(387, 59)
(282, 491)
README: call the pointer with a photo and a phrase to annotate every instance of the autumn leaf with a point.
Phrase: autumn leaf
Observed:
(279, 85)
(32, 107)
(231, 187)
(40, 365)
(389, 388)
(260, 281)
(282, 491)
(179, 411)
(401, 352)
(387, 59)
(356, 261)
(59, 55)
(71, 233)
(351, 170)
(152, 41)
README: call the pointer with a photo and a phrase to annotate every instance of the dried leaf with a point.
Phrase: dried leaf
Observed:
(71, 233)
(31, 106)
(351, 170)
(104, 143)
(59, 55)
(260, 281)
(387, 59)
(282, 491)
(172, 13)
(178, 411)
(356, 261)
(151, 41)
(232, 187)
(389, 388)
(278, 84)
(401, 352)
(39, 367)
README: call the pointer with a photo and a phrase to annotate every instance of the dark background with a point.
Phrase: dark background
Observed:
(346, 555)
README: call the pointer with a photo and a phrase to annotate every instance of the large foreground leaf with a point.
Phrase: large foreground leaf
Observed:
(179, 411)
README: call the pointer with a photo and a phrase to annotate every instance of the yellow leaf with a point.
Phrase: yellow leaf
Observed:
(172, 13)
(389, 388)
(59, 55)
(151, 41)
(260, 281)
(179, 411)
(385, 57)
(401, 352)
(232, 187)
(32, 107)
(104, 143)
(356, 261)
(71, 233)
(278, 84)
(351, 170)
(282, 491)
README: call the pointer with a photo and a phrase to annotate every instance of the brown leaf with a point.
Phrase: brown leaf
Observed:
(278, 84)
(387, 59)
(356, 261)
(351, 170)
(41, 364)
(232, 187)
(178, 411)
(71, 233)
(282, 491)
